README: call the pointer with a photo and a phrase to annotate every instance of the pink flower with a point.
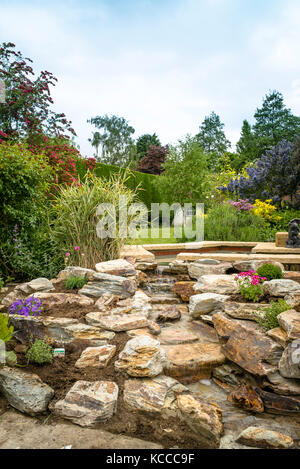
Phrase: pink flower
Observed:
(67, 254)
(77, 248)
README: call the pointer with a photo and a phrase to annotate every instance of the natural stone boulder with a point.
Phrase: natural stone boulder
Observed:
(25, 391)
(281, 385)
(245, 266)
(178, 267)
(157, 395)
(202, 416)
(184, 289)
(154, 328)
(145, 266)
(117, 323)
(77, 271)
(280, 287)
(192, 361)
(293, 300)
(88, 403)
(97, 357)
(246, 397)
(225, 326)
(246, 311)
(252, 350)
(206, 303)
(116, 267)
(259, 437)
(276, 404)
(137, 252)
(105, 283)
(59, 299)
(36, 285)
(290, 322)
(279, 335)
(289, 365)
(231, 374)
(11, 298)
(174, 335)
(221, 284)
(197, 269)
(142, 357)
(169, 313)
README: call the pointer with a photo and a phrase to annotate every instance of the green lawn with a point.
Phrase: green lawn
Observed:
(145, 237)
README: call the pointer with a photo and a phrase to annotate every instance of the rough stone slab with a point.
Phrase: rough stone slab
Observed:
(184, 289)
(282, 405)
(247, 311)
(142, 357)
(293, 300)
(118, 267)
(281, 385)
(105, 283)
(259, 437)
(281, 287)
(225, 326)
(290, 322)
(138, 253)
(253, 350)
(169, 313)
(88, 403)
(176, 335)
(221, 284)
(246, 397)
(205, 303)
(192, 361)
(289, 365)
(25, 391)
(197, 269)
(77, 271)
(97, 357)
(39, 284)
(292, 258)
(117, 323)
(60, 299)
(245, 266)
(279, 335)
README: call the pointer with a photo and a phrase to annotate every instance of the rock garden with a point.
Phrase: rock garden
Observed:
(202, 354)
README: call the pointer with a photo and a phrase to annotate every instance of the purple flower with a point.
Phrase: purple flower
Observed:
(28, 307)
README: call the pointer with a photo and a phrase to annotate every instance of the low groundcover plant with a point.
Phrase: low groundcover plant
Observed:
(250, 285)
(29, 307)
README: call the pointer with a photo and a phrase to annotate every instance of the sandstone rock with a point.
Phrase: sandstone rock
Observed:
(139, 253)
(77, 271)
(92, 334)
(289, 365)
(293, 300)
(116, 267)
(208, 261)
(197, 269)
(245, 266)
(221, 284)
(154, 328)
(246, 311)
(25, 391)
(178, 267)
(157, 395)
(11, 298)
(279, 335)
(39, 284)
(142, 357)
(205, 303)
(88, 403)
(192, 361)
(169, 313)
(280, 287)
(230, 374)
(276, 404)
(290, 275)
(247, 398)
(225, 326)
(145, 266)
(184, 289)
(105, 283)
(174, 335)
(252, 350)
(202, 416)
(117, 323)
(259, 437)
(59, 299)
(290, 322)
(281, 385)
(98, 357)
(165, 298)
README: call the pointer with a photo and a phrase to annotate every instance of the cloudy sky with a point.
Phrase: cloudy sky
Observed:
(162, 64)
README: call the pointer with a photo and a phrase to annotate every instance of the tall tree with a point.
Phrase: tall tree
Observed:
(115, 138)
(274, 121)
(143, 144)
(211, 136)
(95, 141)
(249, 147)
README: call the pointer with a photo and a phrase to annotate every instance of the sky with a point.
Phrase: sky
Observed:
(162, 64)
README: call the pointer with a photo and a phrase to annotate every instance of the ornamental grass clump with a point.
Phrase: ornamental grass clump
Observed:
(29, 307)
(75, 282)
(267, 317)
(250, 285)
(40, 352)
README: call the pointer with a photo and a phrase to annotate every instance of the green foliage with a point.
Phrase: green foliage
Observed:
(143, 143)
(270, 271)
(40, 352)
(184, 171)
(211, 136)
(251, 292)
(6, 331)
(115, 139)
(224, 223)
(267, 318)
(1, 283)
(75, 282)
(75, 219)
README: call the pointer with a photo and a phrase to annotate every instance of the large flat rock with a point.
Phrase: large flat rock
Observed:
(106, 283)
(221, 284)
(118, 267)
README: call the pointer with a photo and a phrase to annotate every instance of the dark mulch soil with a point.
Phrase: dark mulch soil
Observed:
(62, 374)
(266, 299)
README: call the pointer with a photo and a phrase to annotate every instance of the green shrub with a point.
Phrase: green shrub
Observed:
(74, 282)
(224, 223)
(270, 271)
(6, 331)
(267, 318)
(75, 220)
(40, 352)
(1, 284)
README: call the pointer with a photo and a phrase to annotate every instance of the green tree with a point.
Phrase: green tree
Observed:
(274, 121)
(115, 138)
(249, 147)
(211, 136)
(95, 141)
(183, 179)
(143, 143)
